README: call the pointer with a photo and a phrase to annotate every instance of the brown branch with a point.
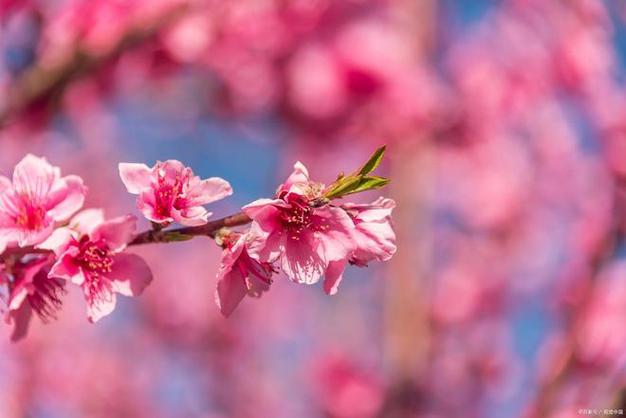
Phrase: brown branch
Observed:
(208, 229)
(41, 84)
(154, 236)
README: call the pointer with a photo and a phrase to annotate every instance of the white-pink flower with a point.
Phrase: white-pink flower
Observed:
(36, 199)
(239, 274)
(90, 255)
(309, 241)
(170, 192)
(374, 234)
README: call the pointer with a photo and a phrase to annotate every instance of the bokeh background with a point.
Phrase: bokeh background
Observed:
(506, 130)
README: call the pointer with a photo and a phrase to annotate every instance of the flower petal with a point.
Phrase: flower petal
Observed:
(336, 233)
(101, 306)
(207, 191)
(333, 276)
(375, 241)
(27, 237)
(34, 177)
(87, 220)
(262, 206)
(8, 237)
(66, 197)
(135, 177)
(117, 232)
(5, 184)
(231, 289)
(66, 268)
(147, 206)
(299, 176)
(58, 241)
(300, 262)
(130, 274)
(193, 216)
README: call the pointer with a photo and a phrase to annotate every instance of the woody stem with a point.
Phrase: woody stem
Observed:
(154, 236)
(208, 229)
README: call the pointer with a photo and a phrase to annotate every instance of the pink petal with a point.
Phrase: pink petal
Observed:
(300, 262)
(171, 169)
(378, 210)
(333, 276)
(207, 191)
(268, 224)
(256, 241)
(266, 247)
(100, 307)
(66, 197)
(375, 241)
(193, 216)
(263, 207)
(87, 220)
(66, 268)
(58, 241)
(336, 240)
(24, 283)
(146, 205)
(27, 237)
(8, 237)
(135, 177)
(117, 232)
(374, 234)
(5, 184)
(231, 289)
(34, 177)
(130, 275)
(299, 176)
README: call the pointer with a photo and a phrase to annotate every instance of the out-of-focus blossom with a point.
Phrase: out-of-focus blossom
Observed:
(346, 390)
(601, 335)
(239, 274)
(170, 192)
(308, 241)
(37, 198)
(32, 291)
(90, 255)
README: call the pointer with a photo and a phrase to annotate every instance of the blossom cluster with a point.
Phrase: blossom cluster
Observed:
(48, 243)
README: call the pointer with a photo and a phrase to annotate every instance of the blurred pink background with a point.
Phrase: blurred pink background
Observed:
(506, 130)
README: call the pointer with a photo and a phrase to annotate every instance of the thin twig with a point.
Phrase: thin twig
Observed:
(156, 236)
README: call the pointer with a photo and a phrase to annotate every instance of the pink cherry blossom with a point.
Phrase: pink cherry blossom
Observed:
(376, 240)
(308, 241)
(37, 198)
(239, 274)
(90, 255)
(170, 192)
(32, 291)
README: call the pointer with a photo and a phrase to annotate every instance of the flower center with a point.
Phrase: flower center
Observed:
(297, 218)
(169, 191)
(94, 257)
(29, 214)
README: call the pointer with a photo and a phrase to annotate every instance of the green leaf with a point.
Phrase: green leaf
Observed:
(342, 187)
(356, 184)
(369, 183)
(373, 162)
(176, 236)
(358, 181)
